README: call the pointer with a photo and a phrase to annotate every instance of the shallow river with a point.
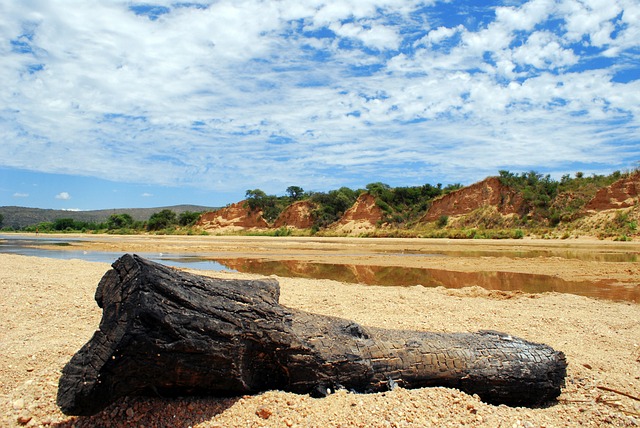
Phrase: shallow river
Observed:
(365, 274)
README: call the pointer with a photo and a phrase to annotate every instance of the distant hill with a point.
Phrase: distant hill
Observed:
(19, 217)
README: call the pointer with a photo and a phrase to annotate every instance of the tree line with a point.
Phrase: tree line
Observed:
(163, 221)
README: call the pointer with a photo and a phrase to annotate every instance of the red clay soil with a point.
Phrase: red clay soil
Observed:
(297, 215)
(364, 208)
(486, 192)
(362, 216)
(235, 216)
(624, 193)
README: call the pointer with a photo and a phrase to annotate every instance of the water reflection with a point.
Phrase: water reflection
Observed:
(405, 276)
(364, 274)
(41, 247)
(592, 256)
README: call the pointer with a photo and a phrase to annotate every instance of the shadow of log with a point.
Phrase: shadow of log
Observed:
(150, 412)
(166, 332)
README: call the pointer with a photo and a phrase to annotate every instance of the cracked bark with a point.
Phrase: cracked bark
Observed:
(166, 332)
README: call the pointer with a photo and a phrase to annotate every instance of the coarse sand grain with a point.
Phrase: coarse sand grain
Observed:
(47, 312)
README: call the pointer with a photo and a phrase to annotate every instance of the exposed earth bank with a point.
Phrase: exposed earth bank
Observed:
(47, 313)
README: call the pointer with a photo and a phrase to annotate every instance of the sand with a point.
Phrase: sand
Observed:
(47, 313)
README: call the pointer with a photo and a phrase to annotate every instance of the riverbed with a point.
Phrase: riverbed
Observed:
(602, 269)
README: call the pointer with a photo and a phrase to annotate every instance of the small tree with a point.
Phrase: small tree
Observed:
(119, 221)
(188, 218)
(380, 190)
(161, 220)
(60, 224)
(270, 205)
(442, 221)
(1, 219)
(295, 192)
(255, 199)
(330, 206)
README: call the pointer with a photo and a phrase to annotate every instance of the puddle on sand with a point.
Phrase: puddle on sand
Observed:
(586, 255)
(404, 276)
(47, 247)
(372, 275)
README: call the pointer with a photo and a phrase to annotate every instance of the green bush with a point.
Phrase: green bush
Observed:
(161, 220)
(330, 206)
(188, 218)
(283, 231)
(119, 221)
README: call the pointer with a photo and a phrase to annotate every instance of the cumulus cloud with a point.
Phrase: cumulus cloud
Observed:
(230, 95)
(20, 195)
(441, 33)
(374, 36)
(543, 50)
(64, 196)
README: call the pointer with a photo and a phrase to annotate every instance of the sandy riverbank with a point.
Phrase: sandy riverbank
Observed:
(47, 313)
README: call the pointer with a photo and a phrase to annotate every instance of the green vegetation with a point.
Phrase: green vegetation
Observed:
(331, 206)
(295, 193)
(402, 205)
(270, 205)
(556, 201)
(164, 222)
(188, 218)
(65, 225)
(120, 221)
(537, 190)
(549, 208)
(575, 193)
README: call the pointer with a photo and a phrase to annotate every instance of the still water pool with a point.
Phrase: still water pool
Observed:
(42, 247)
(364, 274)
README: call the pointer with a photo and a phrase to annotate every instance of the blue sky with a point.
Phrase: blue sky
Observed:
(108, 104)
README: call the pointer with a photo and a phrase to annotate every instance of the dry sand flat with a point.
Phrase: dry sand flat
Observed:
(47, 313)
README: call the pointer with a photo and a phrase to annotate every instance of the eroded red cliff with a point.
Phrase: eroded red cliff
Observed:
(231, 218)
(362, 217)
(488, 192)
(624, 193)
(297, 215)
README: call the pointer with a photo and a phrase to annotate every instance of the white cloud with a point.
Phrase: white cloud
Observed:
(588, 18)
(525, 17)
(20, 195)
(64, 196)
(374, 36)
(441, 33)
(494, 38)
(147, 195)
(544, 51)
(243, 92)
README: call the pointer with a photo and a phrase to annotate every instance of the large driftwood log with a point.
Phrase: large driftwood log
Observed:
(168, 332)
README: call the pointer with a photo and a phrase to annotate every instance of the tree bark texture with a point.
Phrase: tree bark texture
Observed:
(167, 332)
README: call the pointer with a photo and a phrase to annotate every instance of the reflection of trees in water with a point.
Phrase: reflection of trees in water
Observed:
(406, 276)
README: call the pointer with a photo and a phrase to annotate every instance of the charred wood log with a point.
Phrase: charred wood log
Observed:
(168, 332)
